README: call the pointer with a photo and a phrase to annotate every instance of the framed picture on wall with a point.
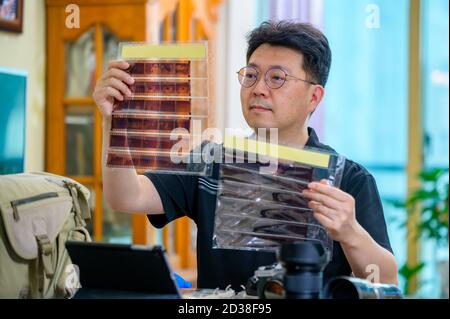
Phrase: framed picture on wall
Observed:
(13, 105)
(11, 15)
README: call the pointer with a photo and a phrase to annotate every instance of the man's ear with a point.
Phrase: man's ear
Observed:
(317, 94)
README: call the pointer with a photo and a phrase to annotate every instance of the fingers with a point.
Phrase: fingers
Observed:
(323, 215)
(328, 201)
(111, 92)
(324, 221)
(118, 74)
(114, 82)
(118, 64)
(326, 189)
(118, 85)
(323, 210)
(112, 85)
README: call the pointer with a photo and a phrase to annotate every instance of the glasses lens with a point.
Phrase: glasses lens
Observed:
(247, 76)
(275, 78)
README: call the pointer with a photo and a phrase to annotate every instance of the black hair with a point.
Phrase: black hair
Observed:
(302, 37)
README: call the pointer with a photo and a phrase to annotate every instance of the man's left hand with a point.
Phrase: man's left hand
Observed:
(334, 209)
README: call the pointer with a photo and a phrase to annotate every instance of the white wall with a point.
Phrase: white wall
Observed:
(236, 19)
(26, 51)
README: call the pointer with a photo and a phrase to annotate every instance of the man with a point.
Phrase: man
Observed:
(282, 84)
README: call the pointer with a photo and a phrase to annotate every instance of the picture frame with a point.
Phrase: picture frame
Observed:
(11, 15)
(13, 117)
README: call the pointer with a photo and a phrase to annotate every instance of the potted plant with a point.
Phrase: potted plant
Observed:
(432, 201)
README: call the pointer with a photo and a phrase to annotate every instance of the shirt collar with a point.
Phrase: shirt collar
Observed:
(313, 139)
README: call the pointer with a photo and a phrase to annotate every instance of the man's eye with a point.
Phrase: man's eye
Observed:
(250, 76)
(277, 78)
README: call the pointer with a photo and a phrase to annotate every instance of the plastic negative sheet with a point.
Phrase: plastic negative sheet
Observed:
(153, 129)
(247, 224)
(260, 204)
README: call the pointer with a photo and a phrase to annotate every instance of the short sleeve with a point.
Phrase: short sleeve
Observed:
(177, 193)
(368, 206)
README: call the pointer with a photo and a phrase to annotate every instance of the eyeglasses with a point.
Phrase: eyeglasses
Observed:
(274, 77)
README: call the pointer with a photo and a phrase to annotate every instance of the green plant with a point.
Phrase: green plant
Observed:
(432, 199)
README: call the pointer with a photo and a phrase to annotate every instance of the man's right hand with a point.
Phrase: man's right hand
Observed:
(112, 85)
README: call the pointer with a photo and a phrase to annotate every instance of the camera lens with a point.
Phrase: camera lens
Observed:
(304, 263)
(273, 288)
(341, 288)
(355, 288)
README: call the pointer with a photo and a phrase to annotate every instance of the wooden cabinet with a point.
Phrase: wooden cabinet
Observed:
(76, 58)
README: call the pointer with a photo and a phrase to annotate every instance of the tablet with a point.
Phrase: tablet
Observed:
(122, 271)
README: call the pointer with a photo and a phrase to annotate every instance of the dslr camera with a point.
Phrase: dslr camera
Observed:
(298, 275)
(267, 282)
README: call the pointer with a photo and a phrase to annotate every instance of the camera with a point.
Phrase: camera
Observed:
(299, 275)
(267, 282)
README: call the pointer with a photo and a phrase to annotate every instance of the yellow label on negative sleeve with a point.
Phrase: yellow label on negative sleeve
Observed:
(164, 51)
(277, 151)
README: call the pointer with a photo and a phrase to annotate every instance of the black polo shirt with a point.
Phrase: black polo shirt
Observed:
(195, 197)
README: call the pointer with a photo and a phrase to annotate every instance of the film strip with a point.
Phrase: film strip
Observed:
(153, 142)
(148, 160)
(149, 123)
(250, 174)
(161, 87)
(265, 210)
(247, 240)
(177, 107)
(143, 68)
(169, 93)
(259, 193)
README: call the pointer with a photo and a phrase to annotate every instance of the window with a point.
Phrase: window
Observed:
(365, 108)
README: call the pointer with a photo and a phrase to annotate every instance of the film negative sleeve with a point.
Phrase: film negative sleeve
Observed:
(267, 194)
(170, 92)
(240, 173)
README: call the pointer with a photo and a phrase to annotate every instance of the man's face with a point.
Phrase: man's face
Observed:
(285, 108)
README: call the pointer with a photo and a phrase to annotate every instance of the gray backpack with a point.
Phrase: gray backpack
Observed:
(39, 212)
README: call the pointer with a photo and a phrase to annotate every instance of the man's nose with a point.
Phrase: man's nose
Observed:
(260, 87)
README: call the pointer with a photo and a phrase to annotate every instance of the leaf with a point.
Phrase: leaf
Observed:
(397, 204)
(432, 201)
(432, 175)
(408, 273)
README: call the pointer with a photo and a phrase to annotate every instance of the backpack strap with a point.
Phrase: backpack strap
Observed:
(73, 189)
(44, 267)
(45, 254)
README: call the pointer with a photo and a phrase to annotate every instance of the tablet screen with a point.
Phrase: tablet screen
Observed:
(122, 267)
